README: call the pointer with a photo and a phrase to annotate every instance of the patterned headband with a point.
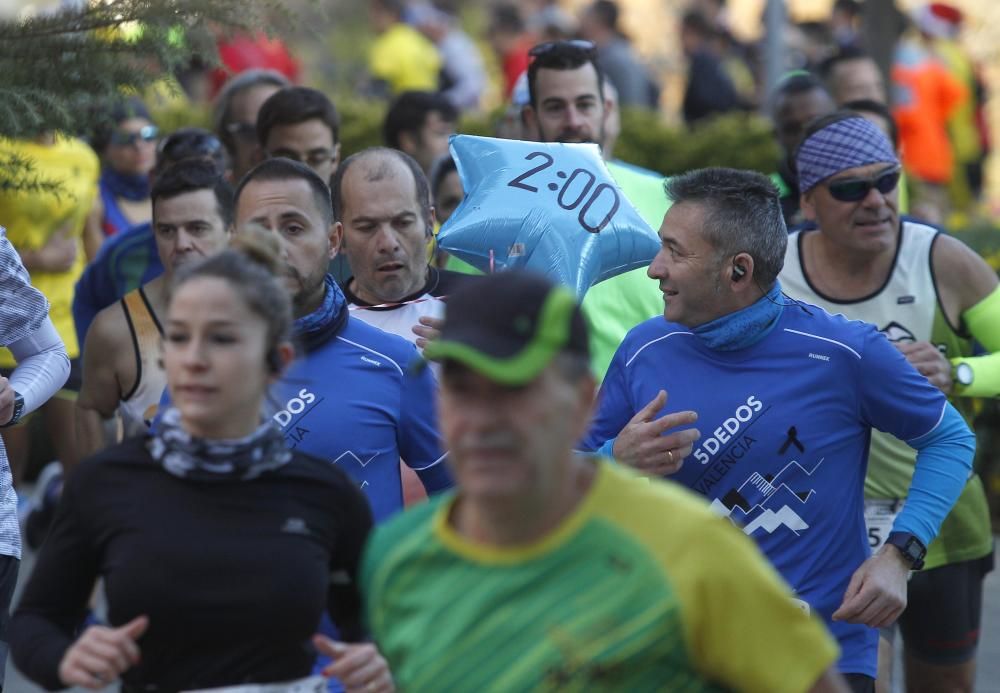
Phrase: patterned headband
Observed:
(844, 144)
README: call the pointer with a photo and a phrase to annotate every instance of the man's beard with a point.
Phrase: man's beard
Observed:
(306, 286)
(563, 138)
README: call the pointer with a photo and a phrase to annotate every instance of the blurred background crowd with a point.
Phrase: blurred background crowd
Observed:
(697, 83)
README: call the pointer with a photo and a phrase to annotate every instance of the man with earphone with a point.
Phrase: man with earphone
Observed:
(785, 397)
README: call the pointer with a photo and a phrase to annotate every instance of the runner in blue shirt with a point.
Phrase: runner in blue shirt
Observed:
(786, 396)
(355, 395)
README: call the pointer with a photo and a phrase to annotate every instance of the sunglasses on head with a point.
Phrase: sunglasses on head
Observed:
(147, 133)
(546, 48)
(857, 189)
(185, 145)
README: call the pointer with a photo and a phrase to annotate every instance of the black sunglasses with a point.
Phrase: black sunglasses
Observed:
(147, 133)
(546, 48)
(857, 189)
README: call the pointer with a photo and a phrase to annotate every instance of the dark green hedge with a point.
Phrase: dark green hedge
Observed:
(737, 140)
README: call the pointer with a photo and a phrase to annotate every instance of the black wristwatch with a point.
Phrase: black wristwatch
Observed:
(913, 549)
(18, 410)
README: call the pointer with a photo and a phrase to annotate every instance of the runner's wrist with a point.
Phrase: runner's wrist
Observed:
(907, 548)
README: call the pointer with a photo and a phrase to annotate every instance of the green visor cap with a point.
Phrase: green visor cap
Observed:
(509, 326)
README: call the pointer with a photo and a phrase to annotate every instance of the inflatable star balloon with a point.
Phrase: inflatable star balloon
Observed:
(548, 207)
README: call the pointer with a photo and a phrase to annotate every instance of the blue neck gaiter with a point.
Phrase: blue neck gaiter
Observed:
(745, 327)
(325, 322)
(128, 187)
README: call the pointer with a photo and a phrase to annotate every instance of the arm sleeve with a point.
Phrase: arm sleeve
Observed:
(614, 409)
(895, 398)
(944, 462)
(24, 308)
(420, 445)
(983, 321)
(42, 365)
(344, 597)
(56, 596)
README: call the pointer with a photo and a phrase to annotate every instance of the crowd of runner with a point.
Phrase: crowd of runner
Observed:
(300, 448)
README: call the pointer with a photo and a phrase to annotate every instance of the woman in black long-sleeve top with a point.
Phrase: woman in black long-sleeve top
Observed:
(218, 546)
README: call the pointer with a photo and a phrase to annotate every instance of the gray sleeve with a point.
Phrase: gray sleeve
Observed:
(42, 365)
(22, 306)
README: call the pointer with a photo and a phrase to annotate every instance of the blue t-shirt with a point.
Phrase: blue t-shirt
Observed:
(125, 262)
(360, 402)
(785, 429)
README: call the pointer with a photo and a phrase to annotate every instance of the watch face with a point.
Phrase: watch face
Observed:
(963, 373)
(911, 548)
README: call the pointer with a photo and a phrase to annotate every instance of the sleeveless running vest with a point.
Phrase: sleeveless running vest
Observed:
(907, 309)
(139, 405)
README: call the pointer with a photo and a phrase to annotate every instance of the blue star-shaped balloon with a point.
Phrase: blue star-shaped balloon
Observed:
(549, 207)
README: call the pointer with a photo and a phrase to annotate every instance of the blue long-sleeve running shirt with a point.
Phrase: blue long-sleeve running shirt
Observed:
(357, 402)
(785, 429)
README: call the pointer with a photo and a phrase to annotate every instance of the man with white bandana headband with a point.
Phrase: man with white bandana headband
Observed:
(931, 296)
(786, 397)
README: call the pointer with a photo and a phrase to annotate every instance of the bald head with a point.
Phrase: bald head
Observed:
(382, 204)
(375, 164)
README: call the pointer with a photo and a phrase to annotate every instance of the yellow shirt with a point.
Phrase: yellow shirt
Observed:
(405, 60)
(641, 588)
(32, 217)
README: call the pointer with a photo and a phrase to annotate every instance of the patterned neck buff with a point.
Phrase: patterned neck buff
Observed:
(183, 455)
(320, 326)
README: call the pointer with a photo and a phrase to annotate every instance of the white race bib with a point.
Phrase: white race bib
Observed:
(880, 514)
(310, 684)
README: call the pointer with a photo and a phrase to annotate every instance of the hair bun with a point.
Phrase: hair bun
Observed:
(259, 246)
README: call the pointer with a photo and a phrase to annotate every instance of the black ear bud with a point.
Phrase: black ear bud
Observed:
(274, 361)
(738, 272)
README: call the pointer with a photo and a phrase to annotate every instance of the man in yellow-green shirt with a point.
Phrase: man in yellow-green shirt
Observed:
(401, 58)
(551, 570)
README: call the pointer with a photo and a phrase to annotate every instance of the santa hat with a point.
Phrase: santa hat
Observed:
(939, 20)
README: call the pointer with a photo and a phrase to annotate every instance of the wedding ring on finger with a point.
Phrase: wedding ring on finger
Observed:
(670, 455)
